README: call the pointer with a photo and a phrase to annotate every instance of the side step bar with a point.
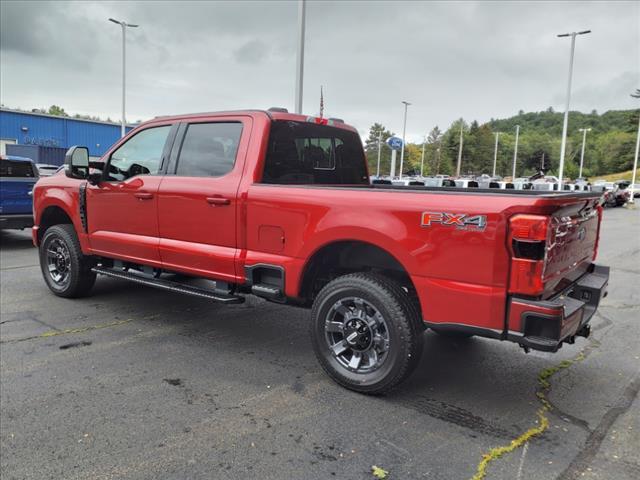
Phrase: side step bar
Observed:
(169, 285)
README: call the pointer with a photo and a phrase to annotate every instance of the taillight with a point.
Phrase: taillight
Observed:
(527, 241)
(529, 227)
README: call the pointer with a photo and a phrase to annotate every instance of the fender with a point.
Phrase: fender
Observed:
(66, 198)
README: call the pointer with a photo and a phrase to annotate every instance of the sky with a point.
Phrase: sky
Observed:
(476, 60)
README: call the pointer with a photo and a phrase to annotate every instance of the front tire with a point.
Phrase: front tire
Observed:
(366, 332)
(66, 271)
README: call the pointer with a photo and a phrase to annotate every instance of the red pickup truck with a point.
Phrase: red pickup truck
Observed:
(280, 206)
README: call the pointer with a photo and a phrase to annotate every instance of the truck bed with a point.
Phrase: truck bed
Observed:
(454, 190)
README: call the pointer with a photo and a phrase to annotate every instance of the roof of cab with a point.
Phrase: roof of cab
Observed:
(15, 158)
(273, 115)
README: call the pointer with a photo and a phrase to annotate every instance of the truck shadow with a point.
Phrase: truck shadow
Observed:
(466, 383)
(12, 240)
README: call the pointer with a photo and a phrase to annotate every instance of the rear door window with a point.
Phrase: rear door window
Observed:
(307, 153)
(16, 169)
(209, 149)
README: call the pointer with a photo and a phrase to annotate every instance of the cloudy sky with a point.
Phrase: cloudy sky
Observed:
(477, 60)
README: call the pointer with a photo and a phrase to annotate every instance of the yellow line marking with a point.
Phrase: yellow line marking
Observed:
(55, 333)
(543, 420)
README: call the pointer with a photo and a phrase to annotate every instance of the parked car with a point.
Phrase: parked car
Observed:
(280, 206)
(18, 175)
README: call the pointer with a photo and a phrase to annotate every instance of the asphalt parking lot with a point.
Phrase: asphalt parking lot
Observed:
(133, 382)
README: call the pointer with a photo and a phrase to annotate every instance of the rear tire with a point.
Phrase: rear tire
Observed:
(366, 332)
(66, 271)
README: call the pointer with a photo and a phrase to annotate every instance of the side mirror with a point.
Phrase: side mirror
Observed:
(76, 163)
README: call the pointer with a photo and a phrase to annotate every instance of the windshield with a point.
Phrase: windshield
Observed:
(307, 153)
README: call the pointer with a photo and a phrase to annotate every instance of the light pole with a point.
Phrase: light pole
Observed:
(422, 161)
(404, 131)
(300, 56)
(515, 154)
(379, 140)
(563, 146)
(495, 154)
(460, 148)
(124, 26)
(584, 138)
(635, 164)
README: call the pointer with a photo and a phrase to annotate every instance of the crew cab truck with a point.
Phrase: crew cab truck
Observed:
(280, 206)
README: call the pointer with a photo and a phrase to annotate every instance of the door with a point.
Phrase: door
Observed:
(197, 204)
(17, 178)
(122, 210)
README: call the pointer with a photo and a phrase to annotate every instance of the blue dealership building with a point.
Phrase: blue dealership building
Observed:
(45, 138)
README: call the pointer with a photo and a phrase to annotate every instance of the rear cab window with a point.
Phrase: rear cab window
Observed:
(301, 153)
(16, 169)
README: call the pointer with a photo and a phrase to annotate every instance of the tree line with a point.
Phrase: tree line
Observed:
(609, 147)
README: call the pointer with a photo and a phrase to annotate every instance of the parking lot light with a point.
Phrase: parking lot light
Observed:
(635, 166)
(563, 146)
(404, 131)
(495, 154)
(584, 138)
(515, 154)
(124, 26)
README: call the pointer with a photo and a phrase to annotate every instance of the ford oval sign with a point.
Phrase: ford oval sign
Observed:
(395, 143)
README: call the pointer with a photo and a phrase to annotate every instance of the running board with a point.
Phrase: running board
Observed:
(169, 285)
(268, 292)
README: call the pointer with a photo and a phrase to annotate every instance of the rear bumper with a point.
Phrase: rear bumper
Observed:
(16, 221)
(546, 324)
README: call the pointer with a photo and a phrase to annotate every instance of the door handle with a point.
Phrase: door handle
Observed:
(143, 195)
(215, 201)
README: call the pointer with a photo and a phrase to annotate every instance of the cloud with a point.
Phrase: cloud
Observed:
(252, 51)
(477, 60)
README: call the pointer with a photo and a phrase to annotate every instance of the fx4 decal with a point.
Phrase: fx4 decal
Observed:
(461, 221)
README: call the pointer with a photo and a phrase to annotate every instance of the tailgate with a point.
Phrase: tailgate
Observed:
(572, 243)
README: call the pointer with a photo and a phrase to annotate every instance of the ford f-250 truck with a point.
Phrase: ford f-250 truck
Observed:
(280, 206)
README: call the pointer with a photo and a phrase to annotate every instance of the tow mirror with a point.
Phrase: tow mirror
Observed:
(76, 163)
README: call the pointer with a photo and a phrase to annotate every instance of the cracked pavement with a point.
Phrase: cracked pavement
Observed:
(138, 383)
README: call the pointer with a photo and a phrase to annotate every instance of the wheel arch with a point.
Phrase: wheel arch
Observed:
(345, 256)
(53, 214)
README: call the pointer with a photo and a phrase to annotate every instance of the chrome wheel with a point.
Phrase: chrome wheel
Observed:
(357, 335)
(58, 261)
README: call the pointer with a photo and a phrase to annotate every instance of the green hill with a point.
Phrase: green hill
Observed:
(609, 147)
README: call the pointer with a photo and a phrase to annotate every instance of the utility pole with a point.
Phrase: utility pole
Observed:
(584, 138)
(565, 123)
(515, 154)
(379, 148)
(460, 148)
(124, 26)
(404, 131)
(422, 161)
(300, 56)
(635, 164)
(495, 154)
